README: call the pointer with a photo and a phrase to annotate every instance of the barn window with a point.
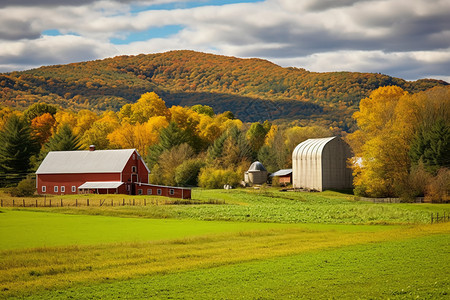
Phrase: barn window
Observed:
(159, 191)
(134, 156)
(149, 191)
(139, 191)
(44, 188)
(133, 169)
(63, 189)
(171, 191)
(55, 189)
(74, 189)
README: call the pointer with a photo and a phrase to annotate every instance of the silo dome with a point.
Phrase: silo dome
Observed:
(256, 166)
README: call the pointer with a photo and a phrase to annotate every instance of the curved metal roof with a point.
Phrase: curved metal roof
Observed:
(256, 166)
(311, 148)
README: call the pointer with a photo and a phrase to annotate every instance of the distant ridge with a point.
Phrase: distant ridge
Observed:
(253, 89)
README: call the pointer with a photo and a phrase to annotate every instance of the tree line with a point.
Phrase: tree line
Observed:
(401, 145)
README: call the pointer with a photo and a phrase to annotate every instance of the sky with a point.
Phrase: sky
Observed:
(409, 39)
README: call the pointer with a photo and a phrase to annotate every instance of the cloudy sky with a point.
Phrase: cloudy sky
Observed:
(402, 38)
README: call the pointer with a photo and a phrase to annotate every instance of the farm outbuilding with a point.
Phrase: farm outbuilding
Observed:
(121, 171)
(284, 176)
(256, 174)
(320, 164)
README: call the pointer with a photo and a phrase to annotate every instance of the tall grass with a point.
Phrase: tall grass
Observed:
(29, 271)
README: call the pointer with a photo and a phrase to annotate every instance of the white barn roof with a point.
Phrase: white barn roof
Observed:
(282, 172)
(98, 161)
(100, 185)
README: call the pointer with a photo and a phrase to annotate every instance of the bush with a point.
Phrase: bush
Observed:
(213, 178)
(186, 174)
(438, 189)
(25, 188)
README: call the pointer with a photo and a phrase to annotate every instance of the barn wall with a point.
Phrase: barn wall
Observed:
(142, 173)
(336, 175)
(69, 180)
(149, 189)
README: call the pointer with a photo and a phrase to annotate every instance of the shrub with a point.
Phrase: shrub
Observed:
(186, 174)
(214, 178)
(439, 187)
(26, 187)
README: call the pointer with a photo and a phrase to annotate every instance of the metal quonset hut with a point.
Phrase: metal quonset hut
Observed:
(320, 164)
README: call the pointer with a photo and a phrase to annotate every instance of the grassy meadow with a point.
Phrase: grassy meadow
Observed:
(258, 244)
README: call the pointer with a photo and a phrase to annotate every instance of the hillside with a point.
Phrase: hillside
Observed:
(253, 89)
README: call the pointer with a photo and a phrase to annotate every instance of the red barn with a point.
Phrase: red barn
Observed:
(98, 171)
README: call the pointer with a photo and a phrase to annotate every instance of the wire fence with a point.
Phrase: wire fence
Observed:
(85, 202)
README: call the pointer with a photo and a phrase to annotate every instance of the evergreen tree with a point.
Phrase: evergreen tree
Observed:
(432, 146)
(16, 146)
(63, 140)
(169, 137)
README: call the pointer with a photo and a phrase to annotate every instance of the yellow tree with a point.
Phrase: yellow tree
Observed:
(97, 134)
(383, 143)
(85, 119)
(139, 136)
(65, 117)
(42, 127)
(149, 105)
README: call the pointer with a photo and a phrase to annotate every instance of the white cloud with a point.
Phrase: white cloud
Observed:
(406, 38)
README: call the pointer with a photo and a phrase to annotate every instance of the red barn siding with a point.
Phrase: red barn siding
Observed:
(149, 189)
(69, 180)
(141, 174)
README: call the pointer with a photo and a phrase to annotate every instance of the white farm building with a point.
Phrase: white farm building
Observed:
(320, 164)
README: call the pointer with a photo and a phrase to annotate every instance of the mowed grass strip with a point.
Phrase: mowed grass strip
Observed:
(29, 229)
(414, 268)
(24, 272)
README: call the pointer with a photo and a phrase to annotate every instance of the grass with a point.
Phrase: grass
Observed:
(405, 269)
(260, 244)
(32, 271)
(268, 205)
(30, 229)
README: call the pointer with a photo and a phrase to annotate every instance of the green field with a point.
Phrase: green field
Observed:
(260, 244)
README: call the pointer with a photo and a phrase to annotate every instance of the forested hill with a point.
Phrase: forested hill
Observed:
(253, 89)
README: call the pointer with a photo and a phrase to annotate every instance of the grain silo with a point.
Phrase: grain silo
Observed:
(256, 174)
(320, 164)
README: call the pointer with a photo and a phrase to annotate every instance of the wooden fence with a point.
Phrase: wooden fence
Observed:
(54, 202)
(386, 200)
(439, 218)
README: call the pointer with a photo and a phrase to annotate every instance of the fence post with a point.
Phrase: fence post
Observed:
(2, 203)
(50, 202)
(36, 202)
(87, 202)
(123, 201)
(112, 202)
(13, 203)
(145, 202)
(23, 202)
(437, 217)
(61, 203)
(76, 202)
(133, 201)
